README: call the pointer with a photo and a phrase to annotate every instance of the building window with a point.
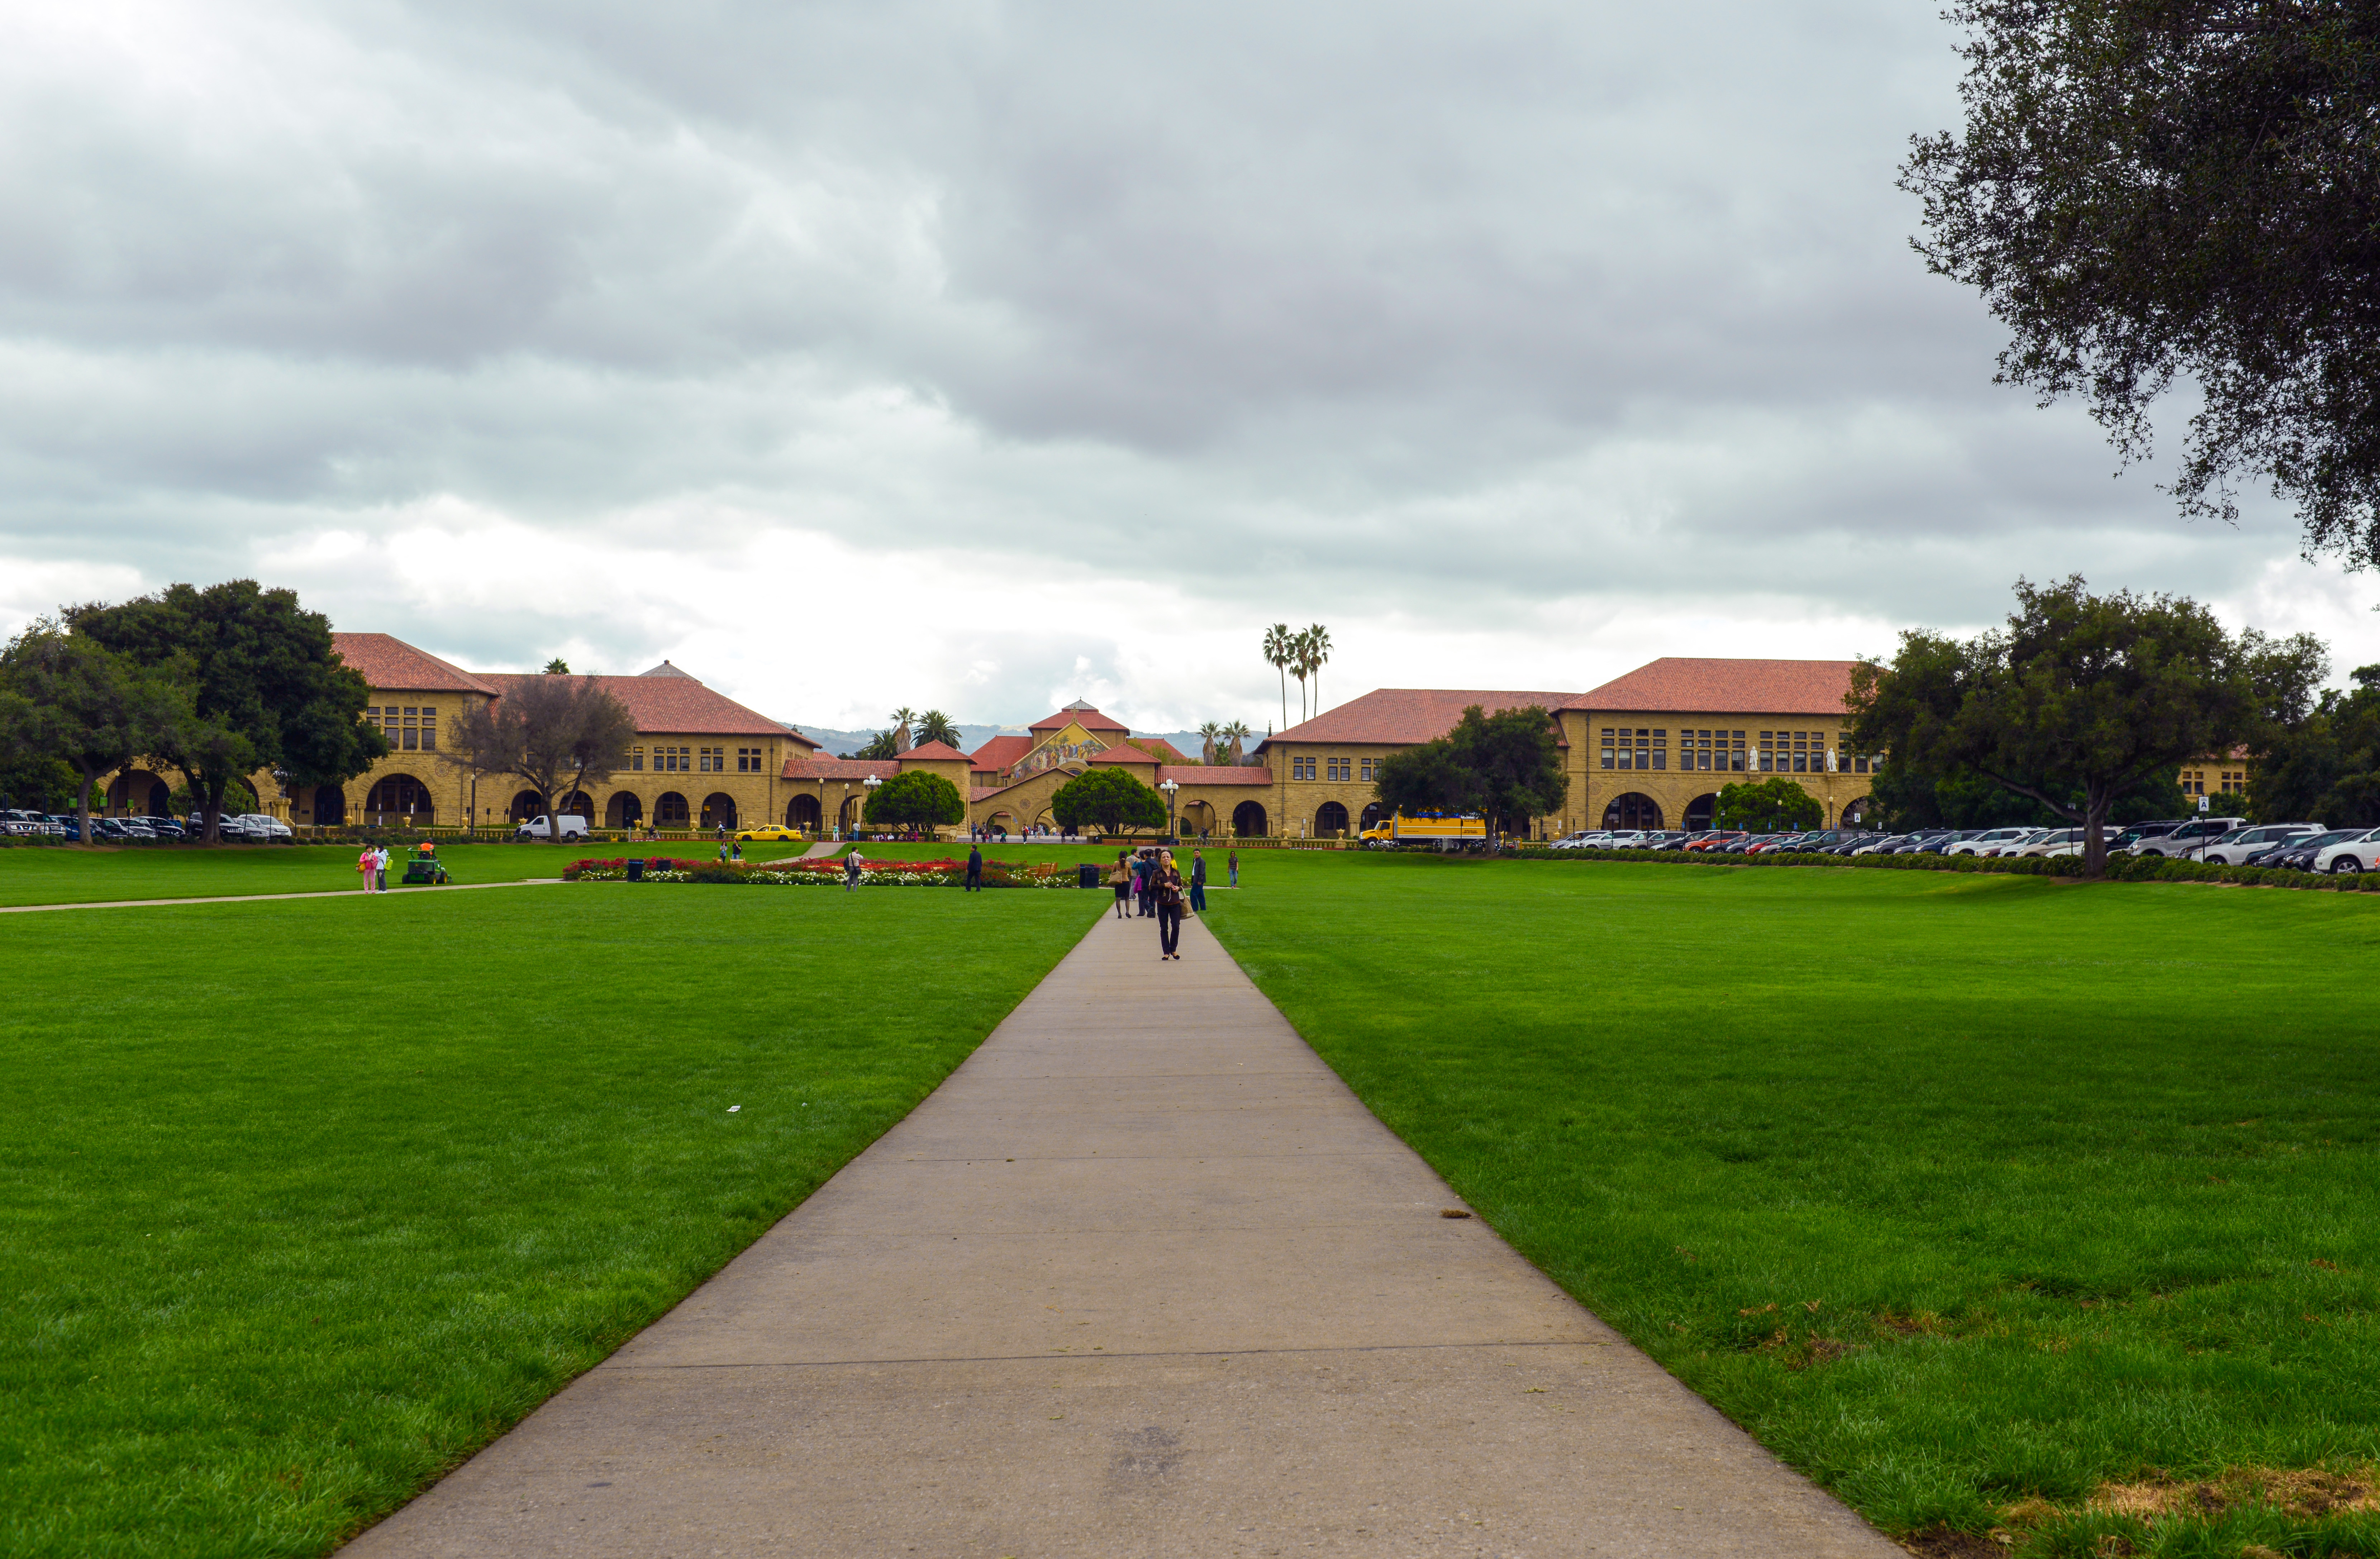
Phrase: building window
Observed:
(1607, 761)
(636, 759)
(1660, 748)
(747, 760)
(1342, 768)
(1367, 768)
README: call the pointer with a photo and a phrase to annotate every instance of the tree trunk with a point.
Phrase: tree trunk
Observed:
(2094, 841)
(82, 808)
(210, 807)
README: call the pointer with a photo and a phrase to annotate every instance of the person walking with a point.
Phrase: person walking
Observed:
(380, 869)
(1144, 867)
(1198, 882)
(851, 864)
(1121, 880)
(974, 869)
(1165, 892)
(1234, 865)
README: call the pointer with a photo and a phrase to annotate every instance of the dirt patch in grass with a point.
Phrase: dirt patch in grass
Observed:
(2301, 1492)
(1941, 1542)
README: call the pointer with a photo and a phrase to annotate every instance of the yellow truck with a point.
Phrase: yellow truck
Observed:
(1440, 833)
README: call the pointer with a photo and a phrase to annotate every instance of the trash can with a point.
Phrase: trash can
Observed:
(1087, 875)
(635, 871)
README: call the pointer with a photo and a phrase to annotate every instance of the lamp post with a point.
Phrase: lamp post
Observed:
(1168, 787)
(871, 783)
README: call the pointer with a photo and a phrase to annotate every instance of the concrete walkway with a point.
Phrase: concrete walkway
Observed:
(268, 898)
(1141, 1278)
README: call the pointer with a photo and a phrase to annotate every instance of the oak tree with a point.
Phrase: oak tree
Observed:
(556, 733)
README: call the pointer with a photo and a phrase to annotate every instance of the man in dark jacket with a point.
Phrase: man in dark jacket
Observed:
(974, 869)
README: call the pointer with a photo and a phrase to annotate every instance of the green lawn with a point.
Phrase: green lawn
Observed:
(304, 1200)
(71, 874)
(1959, 1193)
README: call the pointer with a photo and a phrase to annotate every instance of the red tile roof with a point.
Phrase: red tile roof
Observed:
(389, 662)
(1166, 750)
(673, 705)
(1126, 754)
(1001, 751)
(1686, 686)
(1405, 716)
(936, 752)
(853, 769)
(1077, 713)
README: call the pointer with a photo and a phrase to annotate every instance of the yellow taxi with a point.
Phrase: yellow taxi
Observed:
(771, 832)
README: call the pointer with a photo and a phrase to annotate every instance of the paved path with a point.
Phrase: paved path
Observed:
(267, 898)
(1141, 1278)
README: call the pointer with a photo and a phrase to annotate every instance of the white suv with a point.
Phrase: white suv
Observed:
(2358, 854)
(1990, 841)
(2189, 841)
(2234, 848)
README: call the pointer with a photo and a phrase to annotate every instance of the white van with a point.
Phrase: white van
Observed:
(573, 827)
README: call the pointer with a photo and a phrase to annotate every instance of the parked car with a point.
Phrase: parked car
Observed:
(2297, 855)
(541, 826)
(264, 825)
(2189, 841)
(1714, 838)
(2135, 833)
(1628, 838)
(1584, 838)
(2361, 853)
(2234, 848)
(1878, 844)
(166, 828)
(1748, 843)
(1668, 839)
(1986, 841)
(23, 825)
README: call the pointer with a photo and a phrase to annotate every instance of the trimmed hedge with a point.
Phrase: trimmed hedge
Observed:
(2120, 868)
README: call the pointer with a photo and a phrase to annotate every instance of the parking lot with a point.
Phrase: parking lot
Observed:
(2230, 842)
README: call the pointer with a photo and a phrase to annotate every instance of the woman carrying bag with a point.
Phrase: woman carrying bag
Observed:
(1121, 880)
(1165, 889)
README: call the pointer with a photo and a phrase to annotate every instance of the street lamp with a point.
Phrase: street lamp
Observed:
(1168, 787)
(871, 783)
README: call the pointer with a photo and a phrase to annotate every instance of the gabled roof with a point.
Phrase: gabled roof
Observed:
(1407, 715)
(387, 661)
(1001, 751)
(672, 705)
(1125, 753)
(1166, 750)
(666, 669)
(1681, 684)
(1078, 713)
(935, 751)
(793, 735)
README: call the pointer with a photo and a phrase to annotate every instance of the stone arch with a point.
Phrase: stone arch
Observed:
(718, 810)
(1633, 810)
(846, 817)
(669, 811)
(137, 793)
(1248, 820)
(1001, 821)
(400, 795)
(625, 810)
(1854, 812)
(1373, 815)
(802, 813)
(1700, 811)
(330, 806)
(526, 805)
(579, 803)
(1330, 821)
(1198, 817)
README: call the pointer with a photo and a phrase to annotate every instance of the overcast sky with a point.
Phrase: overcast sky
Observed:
(981, 357)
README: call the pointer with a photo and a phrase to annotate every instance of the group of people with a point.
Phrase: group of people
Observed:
(373, 865)
(1149, 877)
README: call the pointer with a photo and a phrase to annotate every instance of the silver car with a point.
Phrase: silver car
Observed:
(2234, 848)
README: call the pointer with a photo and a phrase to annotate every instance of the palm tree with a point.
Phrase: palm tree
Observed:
(1317, 650)
(1210, 736)
(935, 726)
(1300, 666)
(901, 718)
(1279, 648)
(1236, 733)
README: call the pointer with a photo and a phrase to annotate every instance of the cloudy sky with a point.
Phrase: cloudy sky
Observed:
(981, 355)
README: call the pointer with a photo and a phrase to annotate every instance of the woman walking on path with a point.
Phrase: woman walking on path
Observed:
(1165, 892)
(1121, 880)
(1197, 882)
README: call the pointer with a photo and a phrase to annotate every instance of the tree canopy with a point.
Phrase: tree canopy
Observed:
(1505, 766)
(555, 732)
(2327, 768)
(1109, 799)
(915, 799)
(2081, 699)
(269, 692)
(2148, 191)
(65, 698)
(1768, 806)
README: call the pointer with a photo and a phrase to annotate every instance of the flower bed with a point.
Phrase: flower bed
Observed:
(829, 872)
(2120, 868)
